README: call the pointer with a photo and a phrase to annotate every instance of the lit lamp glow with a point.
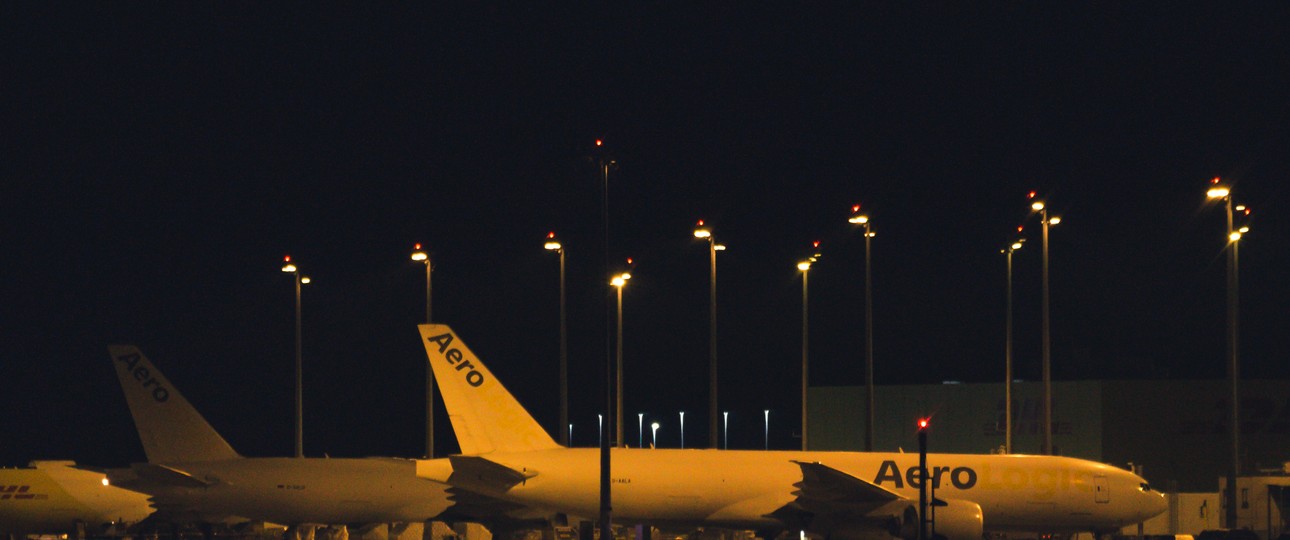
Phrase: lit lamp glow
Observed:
(618, 282)
(1219, 191)
(422, 256)
(553, 245)
(701, 231)
(291, 268)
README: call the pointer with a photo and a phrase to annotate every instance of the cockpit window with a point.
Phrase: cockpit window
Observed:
(1144, 486)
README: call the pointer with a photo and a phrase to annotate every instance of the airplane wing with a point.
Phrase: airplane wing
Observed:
(485, 476)
(148, 477)
(828, 497)
(824, 488)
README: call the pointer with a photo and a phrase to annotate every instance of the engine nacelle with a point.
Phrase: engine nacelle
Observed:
(955, 519)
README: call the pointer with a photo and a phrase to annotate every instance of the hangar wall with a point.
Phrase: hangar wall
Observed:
(1175, 429)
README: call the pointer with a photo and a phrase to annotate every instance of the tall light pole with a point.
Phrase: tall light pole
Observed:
(1039, 206)
(653, 433)
(606, 508)
(765, 433)
(860, 218)
(291, 268)
(682, 429)
(552, 244)
(1007, 352)
(804, 267)
(423, 256)
(703, 232)
(725, 430)
(640, 430)
(618, 282)
(1219, 191)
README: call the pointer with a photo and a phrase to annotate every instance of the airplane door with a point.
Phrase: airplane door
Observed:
(1101, 490)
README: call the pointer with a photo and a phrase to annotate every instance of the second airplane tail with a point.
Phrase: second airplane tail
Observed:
(171, 430)
(485, 416)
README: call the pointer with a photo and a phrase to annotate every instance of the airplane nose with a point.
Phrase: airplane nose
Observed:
(1151, 502)
(1156, 504)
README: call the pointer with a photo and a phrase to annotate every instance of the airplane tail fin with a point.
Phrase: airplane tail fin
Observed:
(171, 430)
(485, 416)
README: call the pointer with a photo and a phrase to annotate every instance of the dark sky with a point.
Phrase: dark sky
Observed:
(160, 159)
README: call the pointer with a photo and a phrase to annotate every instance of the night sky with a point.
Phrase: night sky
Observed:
(160, 159)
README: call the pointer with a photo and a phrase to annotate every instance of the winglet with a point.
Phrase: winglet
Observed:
(485, 416)
(171, 430)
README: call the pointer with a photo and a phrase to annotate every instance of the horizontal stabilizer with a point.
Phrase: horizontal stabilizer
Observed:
(485, 476)
(168, 476)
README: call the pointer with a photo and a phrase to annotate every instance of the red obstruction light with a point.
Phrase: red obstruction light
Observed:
(922, 424)
(599, 142)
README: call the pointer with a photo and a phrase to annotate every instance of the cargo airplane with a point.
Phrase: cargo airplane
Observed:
(838, 495)
(59, 498)
(194, 475)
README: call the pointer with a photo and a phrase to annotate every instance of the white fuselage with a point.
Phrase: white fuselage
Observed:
(743, 488)
(52, 497)
(306, 490)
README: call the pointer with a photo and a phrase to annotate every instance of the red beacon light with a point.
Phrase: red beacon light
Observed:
(922, 424)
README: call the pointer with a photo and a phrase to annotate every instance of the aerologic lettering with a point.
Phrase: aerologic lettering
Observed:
(19, 493)
(960, 477)
(454, 358)
(140, 373)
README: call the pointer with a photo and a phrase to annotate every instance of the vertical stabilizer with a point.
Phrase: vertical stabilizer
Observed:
(171, 430)
(485, 416)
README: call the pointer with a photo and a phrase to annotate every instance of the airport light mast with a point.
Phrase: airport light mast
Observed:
(702, 231)
(1042, 209)
(860, 218)
(805, 267)
(290, 268)
(605, 163)
(1218, 190)
(619, 281)
(1007, 350)
(423, 256)
(552, 244)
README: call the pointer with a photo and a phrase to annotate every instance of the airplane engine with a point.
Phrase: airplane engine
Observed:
(956, 520)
